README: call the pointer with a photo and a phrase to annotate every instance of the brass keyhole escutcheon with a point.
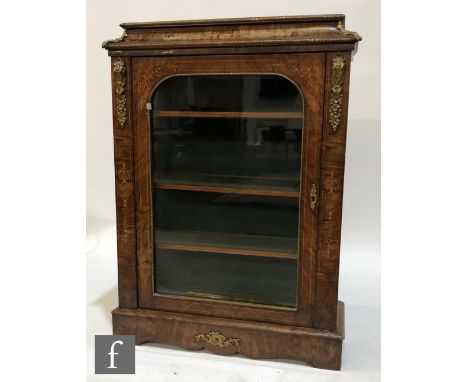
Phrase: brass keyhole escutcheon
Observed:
(313, 196)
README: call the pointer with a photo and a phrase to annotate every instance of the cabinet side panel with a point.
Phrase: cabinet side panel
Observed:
(331, 188)
(124, 182)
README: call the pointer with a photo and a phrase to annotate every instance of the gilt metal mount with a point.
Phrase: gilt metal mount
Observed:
(345, 32)
(313, 196)
(217, 339)
(120, 89)
(336, 91)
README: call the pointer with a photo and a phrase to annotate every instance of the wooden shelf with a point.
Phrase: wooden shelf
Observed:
(229, 114)
(224, 243)
(226, 190)
(278, 186)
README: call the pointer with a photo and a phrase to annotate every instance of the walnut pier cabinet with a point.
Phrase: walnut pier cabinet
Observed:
(229, 140)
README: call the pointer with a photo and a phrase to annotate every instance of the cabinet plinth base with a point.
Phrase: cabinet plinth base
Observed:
(317, 347)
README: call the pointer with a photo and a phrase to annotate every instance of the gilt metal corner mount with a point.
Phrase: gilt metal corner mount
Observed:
(345, 32)
(118, 39)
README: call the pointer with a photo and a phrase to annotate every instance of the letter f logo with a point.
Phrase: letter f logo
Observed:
(112, 353)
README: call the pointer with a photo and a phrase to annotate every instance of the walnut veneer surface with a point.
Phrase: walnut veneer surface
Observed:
(314, 53)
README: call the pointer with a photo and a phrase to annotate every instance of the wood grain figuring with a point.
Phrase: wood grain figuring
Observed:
(253, 32)
(214, 50)
(229, 114)
(331, 199)
(318, 348)
(124, 196)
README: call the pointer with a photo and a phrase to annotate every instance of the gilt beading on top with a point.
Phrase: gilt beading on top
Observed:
(256, 31)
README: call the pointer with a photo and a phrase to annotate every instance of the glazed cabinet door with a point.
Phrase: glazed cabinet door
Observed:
(227, 170)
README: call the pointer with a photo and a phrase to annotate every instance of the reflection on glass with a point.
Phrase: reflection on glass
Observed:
(226, 163)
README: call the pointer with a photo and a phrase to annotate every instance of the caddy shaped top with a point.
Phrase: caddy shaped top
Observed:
(320, 32)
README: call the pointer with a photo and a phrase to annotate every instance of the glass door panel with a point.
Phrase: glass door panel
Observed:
(226, 165)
